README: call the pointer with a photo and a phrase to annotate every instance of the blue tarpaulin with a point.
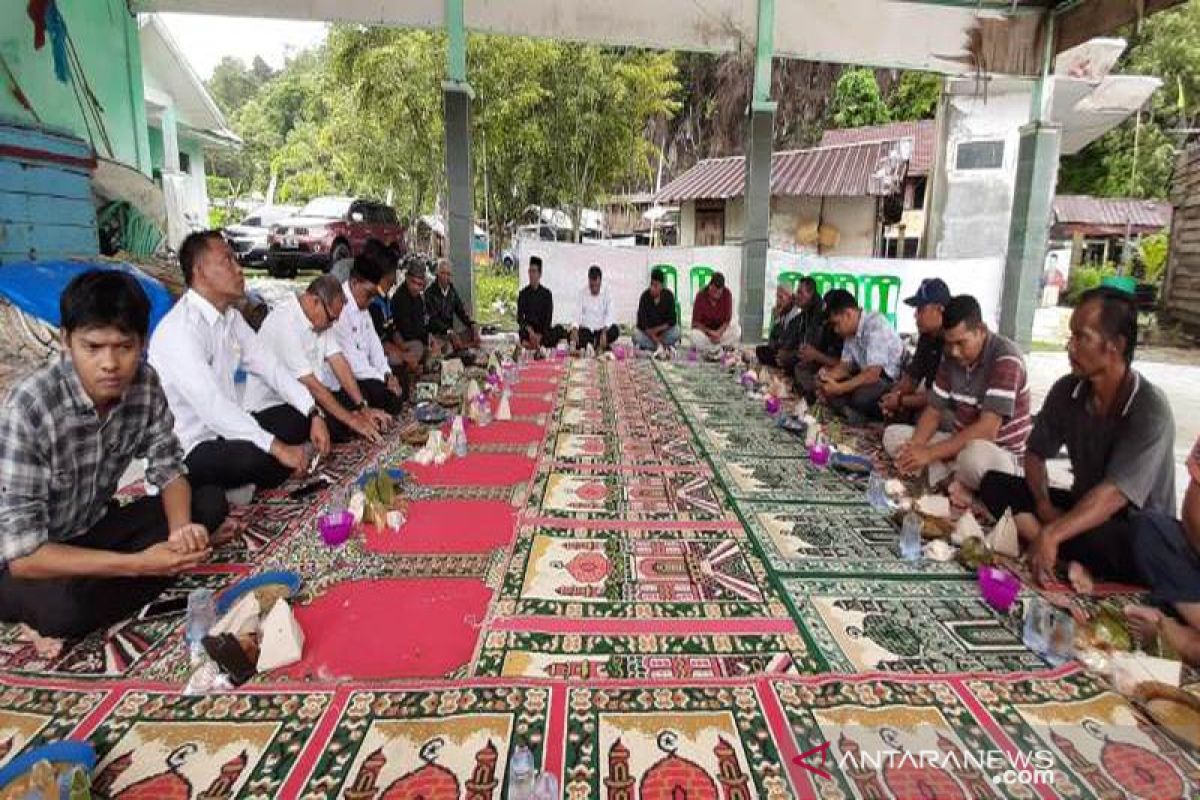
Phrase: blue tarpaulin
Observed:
(35, 286)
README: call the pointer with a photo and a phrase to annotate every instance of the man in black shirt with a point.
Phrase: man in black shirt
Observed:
(657, 322)
(411, 334)
(909, 396)
(820, 345)
(783, 340)
(445, 308)
(535, 312)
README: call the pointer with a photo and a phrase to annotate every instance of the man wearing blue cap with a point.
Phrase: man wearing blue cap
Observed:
(908, 398)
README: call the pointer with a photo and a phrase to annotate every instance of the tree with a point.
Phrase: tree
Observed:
(232, 84)
(915, 96)
(857, 100)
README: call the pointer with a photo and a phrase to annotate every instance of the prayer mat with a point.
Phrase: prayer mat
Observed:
(752, 440)
(598, 448)
(31, 716)
(832, 541)
(670, 742)
(435, 743)
(439, 526)
(934, 626)
(157, 745)
(535, 387)
(641, 574)
(502, 432)
(788, 480)
(386, 629)
(629, 496)
(475, 469)
(642, 656)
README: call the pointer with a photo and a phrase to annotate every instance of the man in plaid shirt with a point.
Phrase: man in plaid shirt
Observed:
(71, 560)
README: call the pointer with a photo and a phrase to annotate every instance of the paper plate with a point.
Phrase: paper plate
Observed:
(66, 753)
(227, 598)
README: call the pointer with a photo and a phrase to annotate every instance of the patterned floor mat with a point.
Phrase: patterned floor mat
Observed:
(788, 480)
(666, 497)
(938, 626)
(31, 716)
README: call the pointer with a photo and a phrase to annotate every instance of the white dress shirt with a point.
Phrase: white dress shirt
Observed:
(359, 343)
(595, 310)
(195, 350)
(288, 335)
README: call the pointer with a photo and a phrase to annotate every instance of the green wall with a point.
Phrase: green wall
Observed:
(105, 35)
(156, 148)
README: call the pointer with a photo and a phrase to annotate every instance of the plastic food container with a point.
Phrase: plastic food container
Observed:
(999, 587)
(336, 528)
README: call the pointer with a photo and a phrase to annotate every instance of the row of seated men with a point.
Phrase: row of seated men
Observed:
(321, 369)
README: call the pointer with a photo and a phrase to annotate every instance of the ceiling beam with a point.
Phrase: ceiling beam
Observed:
(1086, 20)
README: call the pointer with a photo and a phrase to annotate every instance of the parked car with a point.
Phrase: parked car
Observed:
(329, 229)
(249, 237)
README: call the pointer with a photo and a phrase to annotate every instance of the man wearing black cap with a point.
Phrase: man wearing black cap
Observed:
(910, 395)
(411, 336)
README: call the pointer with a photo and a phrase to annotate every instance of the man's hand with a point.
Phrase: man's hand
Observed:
(889, 404)
(380, 419)
(713, 336)
(318, 434)
(190, 538)
(164, 559)
(832, 388)
(913, 458)
(393, 383)
(1043, 555)
(1047, 512)
(362, 425)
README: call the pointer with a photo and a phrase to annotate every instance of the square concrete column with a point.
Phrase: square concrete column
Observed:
(1033, 207)
(758, 213)
(460, 227)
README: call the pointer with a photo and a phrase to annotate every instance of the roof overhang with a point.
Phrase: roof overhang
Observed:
(947, 36)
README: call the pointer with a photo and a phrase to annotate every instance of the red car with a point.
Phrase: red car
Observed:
(327, 230)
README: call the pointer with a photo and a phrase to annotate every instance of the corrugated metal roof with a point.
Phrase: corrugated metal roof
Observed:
(1116, 212)
(922, 132)
(842, 171)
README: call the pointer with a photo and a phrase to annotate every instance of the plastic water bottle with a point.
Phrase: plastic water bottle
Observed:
(910, 537)
(877, 493)
(520, 774)
(1039, 616)
(546, 787)
(201, 616)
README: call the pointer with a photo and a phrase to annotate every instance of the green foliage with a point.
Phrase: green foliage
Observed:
(857, 100)
(496, 296)
(915, 96)
(1084, 277)
(221, 215)
(1153, 251)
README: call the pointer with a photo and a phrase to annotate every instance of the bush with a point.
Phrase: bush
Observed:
(1153, 251)
(496, 296)
(220, 215)
(1085, 277)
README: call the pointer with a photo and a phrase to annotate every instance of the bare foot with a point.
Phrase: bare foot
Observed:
(1143, 623)
(45, 646)
(229, 530)
(1080, 579)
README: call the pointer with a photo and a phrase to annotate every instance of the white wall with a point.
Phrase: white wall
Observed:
(627, 273)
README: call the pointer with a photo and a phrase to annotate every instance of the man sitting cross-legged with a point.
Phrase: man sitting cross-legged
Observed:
(451, 329)
(713, 325)
(657, 326)
(1120, 436)
(357, 335)
(978, 418)
(410, 339)
(195, 351)
(299, 335)
(871, 355)
(535, 313)
(1168, 556)
(909, 396)
(72, 560)
(597, 325)
(783, 337)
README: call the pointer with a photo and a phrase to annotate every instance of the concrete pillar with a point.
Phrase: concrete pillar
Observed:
(1033, 206)
(757, 226)
(461, 223)
(170, 137)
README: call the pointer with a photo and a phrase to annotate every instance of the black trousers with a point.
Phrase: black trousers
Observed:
(230, 463)
(864, 400)
(768, 356)
(377, 395)
(1166, 558)
(69, 608)
(550, 338)
(591, 337)
(1107, 551)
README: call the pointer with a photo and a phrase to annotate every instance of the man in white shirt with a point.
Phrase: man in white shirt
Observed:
(358, 339)
(195, 350)
(596, 324)
(299, 334)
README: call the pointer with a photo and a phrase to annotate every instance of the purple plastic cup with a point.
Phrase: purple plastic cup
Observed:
(999, 587)
(336, 527)
(818, 454)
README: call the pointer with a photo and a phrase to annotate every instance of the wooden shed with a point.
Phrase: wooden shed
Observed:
(1181, 291)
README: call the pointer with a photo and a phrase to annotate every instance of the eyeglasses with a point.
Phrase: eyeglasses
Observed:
(329, 315)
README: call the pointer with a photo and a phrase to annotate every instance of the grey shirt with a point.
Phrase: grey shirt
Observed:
(1135, 450)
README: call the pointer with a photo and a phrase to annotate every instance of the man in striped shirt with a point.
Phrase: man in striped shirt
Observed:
(978, 418)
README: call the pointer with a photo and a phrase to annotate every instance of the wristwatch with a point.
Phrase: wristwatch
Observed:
(316, 411)
(362, 406)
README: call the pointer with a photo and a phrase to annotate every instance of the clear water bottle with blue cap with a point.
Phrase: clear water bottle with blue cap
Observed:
(520, 774)
(877, 493)
(201, 616)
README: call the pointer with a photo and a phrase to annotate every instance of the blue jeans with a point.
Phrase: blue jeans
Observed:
(670, 338)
